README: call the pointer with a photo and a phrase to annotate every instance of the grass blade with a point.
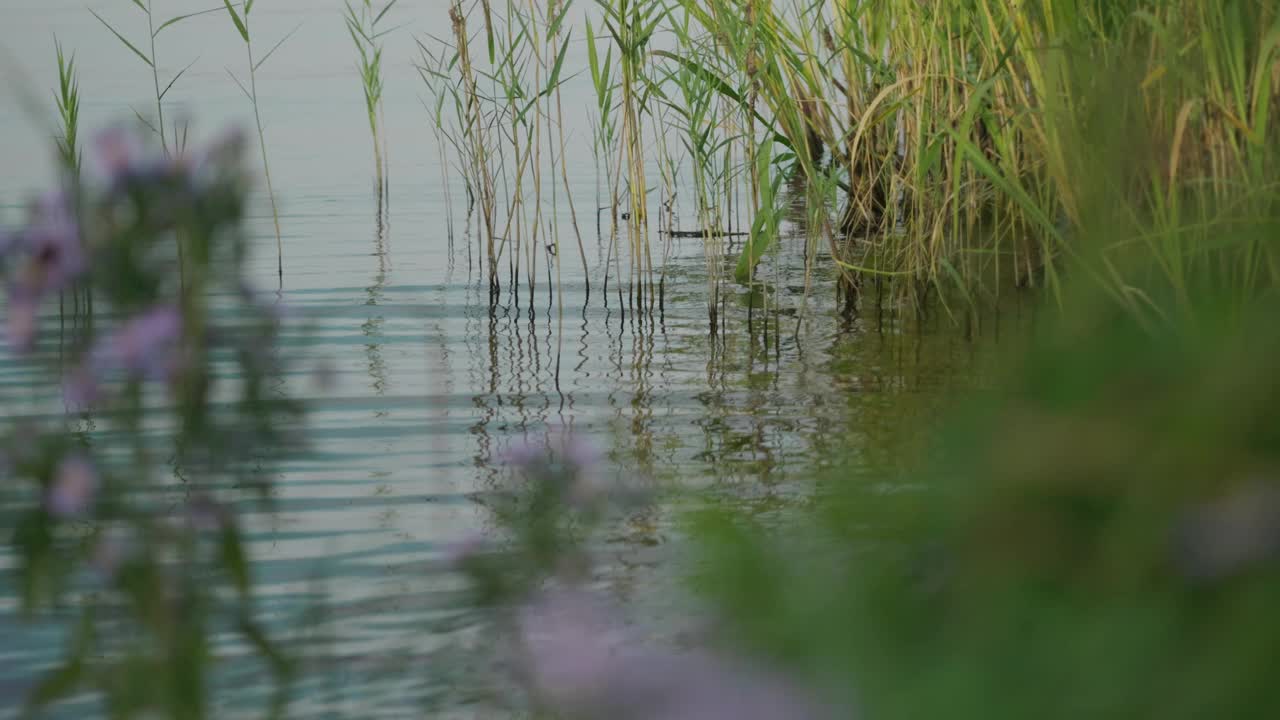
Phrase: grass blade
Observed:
(235, 18)
(276, 47)
(175, 78)
(122, 39)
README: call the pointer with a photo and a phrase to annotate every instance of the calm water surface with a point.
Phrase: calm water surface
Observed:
(431, 387)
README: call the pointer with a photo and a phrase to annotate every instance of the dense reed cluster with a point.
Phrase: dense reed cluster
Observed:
(951, 147)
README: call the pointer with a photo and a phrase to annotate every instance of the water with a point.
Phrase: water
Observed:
(430, 386)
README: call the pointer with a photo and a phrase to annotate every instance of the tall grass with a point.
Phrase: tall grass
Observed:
(155, 26)
(70, 154)
(67, 98)
(241, 22)
(364, 23)
(170, 145)
(939, 150)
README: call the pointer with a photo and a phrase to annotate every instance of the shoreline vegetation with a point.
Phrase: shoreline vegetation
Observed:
(1095, 534)
(929, 149)
(924, 153)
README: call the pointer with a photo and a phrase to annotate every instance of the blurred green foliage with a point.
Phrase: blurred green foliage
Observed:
(1097, 536)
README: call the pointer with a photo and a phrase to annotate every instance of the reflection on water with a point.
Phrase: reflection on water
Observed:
(432, 383)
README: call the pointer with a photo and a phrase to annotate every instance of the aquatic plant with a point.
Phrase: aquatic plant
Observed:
(242, 26)
(155, 26)
(931, 147)
(363, 21)
(67, 98)
(138, 548)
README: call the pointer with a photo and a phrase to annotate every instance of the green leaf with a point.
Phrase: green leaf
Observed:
(247, 7)
(239, 84)
(385, 10)
(554, 79)
(128, 44)
(180, 18)
(270, 52)
(553, 27)
(764, 229)
(175, 78)
(235, 18)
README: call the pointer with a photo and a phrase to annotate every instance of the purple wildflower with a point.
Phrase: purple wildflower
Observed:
(458, 554)
(21, 323)
(52, 244)
(75, 483)
(115, 154)
(49, 256)
(80, 389)
(525, 457)
(119, 159)
(8, 242)
(144, 347)
(582, 461)
(204, 514)
(578, 659)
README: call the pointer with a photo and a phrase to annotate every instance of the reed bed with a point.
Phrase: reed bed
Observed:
(945, 150)
(935, 151)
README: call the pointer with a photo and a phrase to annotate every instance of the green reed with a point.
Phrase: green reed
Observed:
(67, 99)
(936, 150)
(241, 22)
(632, 25)
(364, 25)
(155, 26)
(604, 128)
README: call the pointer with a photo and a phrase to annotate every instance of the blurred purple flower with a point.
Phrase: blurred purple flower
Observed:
(21, 323)
(75, 483)
(566, 459)
(80, 389)
(49, 257)
(525, 457)
(580, 454)
(204, 514)
(458, 554)
(9, 240)
(583, 461)
(52, 244)
(1233, 533)
(119, 159)
(145, 347)
(109, 552)
(578, 659)
(115, 153)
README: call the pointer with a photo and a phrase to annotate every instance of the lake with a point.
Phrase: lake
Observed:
(430, 384)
